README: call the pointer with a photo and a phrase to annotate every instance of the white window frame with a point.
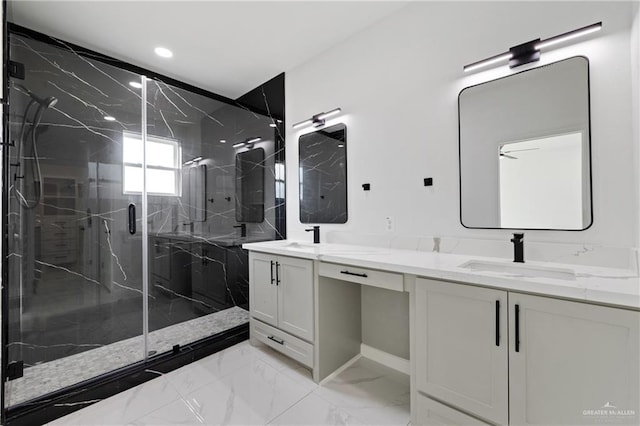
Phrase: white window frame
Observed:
(177, 161)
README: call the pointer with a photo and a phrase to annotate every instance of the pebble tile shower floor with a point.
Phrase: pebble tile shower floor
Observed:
(50, 376)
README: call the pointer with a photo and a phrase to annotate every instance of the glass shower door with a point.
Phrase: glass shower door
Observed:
(75, 237)
(198, 271)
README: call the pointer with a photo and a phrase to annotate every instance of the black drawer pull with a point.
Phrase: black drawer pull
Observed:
(277, 273)
(278, 341)
(271, 270)
(354, 274)
(497, 323)
(132, 219)
(517, 328)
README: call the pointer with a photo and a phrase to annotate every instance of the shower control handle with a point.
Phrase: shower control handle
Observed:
(132, 219)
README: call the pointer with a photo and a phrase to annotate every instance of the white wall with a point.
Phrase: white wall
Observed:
(635, 90)
(398, 83)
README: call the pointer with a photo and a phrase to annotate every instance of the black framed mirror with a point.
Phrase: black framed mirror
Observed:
(250, 186)
(323, 175)
(524, 142)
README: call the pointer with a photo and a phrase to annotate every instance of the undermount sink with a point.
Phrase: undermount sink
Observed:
(520, 269)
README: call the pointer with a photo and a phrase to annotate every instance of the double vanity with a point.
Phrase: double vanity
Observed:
(491, 342)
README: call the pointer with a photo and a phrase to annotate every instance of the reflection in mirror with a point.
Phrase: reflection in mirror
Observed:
(525, 150)
(250, 186)
(323, 175)
(197, 193)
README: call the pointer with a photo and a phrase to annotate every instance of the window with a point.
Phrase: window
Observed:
(163, 165)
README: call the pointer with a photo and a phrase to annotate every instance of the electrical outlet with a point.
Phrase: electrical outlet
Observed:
(388, 223)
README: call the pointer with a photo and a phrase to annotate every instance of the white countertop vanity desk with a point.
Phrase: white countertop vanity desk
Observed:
(570, 350)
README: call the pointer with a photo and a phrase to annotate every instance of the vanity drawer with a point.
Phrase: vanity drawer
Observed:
(372, 277)
(283, 342)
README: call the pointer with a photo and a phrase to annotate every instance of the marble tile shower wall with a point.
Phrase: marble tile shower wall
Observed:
(75, 267)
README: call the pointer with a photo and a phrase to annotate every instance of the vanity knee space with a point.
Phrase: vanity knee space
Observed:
(325, 315)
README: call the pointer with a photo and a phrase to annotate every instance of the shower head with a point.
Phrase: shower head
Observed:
(45, 103)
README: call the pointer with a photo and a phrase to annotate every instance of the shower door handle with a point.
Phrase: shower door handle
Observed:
(132, 218)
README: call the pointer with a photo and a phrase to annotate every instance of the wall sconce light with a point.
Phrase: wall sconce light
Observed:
(193, 161)
(248, 143)
(318, 119)
(530, 51)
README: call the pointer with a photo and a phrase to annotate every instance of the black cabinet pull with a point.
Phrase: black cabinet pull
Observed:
(497, 323)
(271, 271)
(278, 341)
(132, 218)
(277, 273)
(354, 274)
(517, 328)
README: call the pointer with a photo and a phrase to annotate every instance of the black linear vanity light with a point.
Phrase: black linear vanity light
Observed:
(249, 142)
(530, 51)
(318, 119)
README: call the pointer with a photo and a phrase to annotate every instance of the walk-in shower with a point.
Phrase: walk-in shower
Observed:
(87, 292)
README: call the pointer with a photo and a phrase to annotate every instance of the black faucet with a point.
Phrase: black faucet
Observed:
(518, 247)
(316, 234)
(243, 229)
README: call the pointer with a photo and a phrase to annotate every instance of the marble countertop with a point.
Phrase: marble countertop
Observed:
(609, 286)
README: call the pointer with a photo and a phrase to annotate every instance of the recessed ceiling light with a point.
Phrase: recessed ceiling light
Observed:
(223, 141)
(109, 118)
(135, 84)
(272, 124)
(163, 52)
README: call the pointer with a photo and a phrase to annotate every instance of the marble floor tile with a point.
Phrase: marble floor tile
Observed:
(255, 385)
(193, 376)
(371, 392)
(179, 412)
(125, 407)
(287, 366)
(253, 395)
(313, 410)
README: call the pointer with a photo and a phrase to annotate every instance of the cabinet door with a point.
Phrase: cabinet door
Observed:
(576, 363)
(459, 358)
(263, 292)
(295, 296)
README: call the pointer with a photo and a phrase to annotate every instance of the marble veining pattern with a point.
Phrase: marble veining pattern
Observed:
(48, 377)
(75, 268)
(254, 385)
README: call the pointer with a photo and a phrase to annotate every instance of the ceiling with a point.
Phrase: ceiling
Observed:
(227, 47)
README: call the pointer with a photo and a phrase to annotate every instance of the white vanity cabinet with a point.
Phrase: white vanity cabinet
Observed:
(555, 362)
(572, 360)
(461, 347)
(281, 296)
